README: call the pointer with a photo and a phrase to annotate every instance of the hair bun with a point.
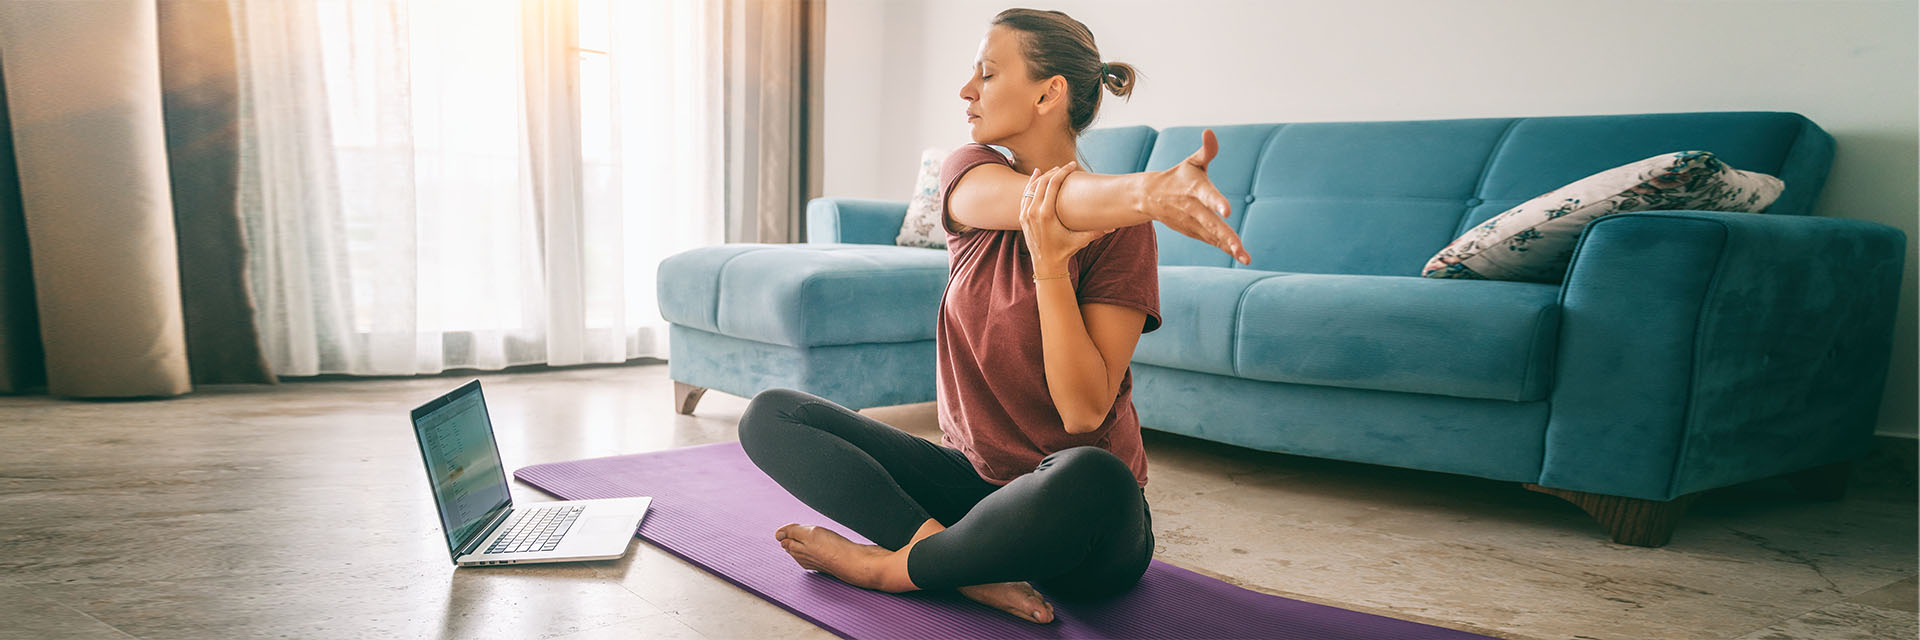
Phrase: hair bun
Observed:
(1119, 78)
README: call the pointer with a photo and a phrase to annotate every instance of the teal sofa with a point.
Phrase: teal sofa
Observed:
(1685, 350)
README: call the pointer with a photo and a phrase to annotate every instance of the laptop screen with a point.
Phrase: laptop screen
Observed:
(463, 464)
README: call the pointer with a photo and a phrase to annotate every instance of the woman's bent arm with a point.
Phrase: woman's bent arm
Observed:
(1085, 347)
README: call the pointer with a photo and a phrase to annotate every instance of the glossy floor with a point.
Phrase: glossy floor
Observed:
(301, 511)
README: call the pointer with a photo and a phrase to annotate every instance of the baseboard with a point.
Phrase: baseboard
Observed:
(468, 373)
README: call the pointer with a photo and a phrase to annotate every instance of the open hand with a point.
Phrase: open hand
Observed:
(1184, 199)
(1050, 242)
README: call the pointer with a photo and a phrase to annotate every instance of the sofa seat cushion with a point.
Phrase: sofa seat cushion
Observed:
(1462, 338)
(1198, 310)
(805, 295)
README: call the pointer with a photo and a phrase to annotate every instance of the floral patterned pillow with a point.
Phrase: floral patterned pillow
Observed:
(922, 226)
(1534, 242)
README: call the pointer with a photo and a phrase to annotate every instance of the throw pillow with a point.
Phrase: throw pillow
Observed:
(1534, 241)
(921, 228)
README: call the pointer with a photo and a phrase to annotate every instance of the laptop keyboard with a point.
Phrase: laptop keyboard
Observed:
(538, 530)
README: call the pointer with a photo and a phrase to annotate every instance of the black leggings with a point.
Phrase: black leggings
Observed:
(1077, 526)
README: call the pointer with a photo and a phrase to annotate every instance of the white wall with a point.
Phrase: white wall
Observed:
(894, 68)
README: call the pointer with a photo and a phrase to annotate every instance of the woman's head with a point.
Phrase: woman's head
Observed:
(1039, 69)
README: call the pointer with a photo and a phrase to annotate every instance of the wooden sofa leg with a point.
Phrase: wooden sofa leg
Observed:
(686, 396)
(1630, 521)
(1827, 482)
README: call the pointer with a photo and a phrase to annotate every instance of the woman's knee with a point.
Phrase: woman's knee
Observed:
(1087, 466)
(767, 413)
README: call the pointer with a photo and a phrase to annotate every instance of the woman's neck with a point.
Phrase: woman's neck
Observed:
(1030, 153)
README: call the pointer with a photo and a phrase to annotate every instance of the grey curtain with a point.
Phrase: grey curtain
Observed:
(771, 89)
(199, 86)
(21, 359)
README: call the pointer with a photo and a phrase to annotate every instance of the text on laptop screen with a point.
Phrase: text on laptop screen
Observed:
(463, 465)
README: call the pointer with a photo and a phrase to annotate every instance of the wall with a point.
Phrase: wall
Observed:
(894, 68)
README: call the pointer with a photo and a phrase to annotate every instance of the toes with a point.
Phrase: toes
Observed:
(800, 558)
(793, 549)
(1040, 609)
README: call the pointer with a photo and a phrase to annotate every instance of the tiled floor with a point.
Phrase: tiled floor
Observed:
(301, 511)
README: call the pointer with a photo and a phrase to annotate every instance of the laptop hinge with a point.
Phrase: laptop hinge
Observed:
(498, 517)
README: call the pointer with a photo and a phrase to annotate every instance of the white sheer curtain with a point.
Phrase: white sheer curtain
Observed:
(436, 184)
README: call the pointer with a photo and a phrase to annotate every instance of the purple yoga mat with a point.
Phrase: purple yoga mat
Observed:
(714, 508)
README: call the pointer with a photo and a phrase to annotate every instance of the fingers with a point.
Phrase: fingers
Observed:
(1232, 246)
(1212, 198)
(1066, 169)
(1052, 189)
(1209, 147)
(1027, 196)
(1229, 241)
(1209, 228)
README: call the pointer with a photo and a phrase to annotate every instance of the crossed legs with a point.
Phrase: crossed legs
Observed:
(1078, 525)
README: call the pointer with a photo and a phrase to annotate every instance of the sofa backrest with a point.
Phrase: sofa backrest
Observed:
(1380, 198)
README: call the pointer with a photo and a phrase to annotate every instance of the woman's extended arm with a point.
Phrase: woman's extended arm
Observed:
(1181, 197)
(988, 197)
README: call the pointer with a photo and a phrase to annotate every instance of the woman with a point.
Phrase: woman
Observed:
(1040, 470)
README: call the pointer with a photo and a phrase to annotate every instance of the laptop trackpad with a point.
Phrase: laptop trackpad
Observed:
(608, 527)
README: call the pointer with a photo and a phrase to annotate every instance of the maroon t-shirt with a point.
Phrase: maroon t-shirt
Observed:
(993, 399)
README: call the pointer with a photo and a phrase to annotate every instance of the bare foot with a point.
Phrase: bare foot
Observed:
(865, 566)
(821, 549)
(1017, 598)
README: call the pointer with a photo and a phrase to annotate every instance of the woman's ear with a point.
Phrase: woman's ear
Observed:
(1054, 96)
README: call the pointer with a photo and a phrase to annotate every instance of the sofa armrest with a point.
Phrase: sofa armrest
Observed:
(854, 220)
(1703, 349)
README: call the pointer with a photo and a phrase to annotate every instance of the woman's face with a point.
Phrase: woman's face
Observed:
(1002, 101)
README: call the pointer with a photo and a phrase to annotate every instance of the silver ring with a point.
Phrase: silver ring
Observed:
(1028, 194)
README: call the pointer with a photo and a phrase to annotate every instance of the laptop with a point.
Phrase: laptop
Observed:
(476, 511)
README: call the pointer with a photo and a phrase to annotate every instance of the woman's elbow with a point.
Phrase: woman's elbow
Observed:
(1083, 423)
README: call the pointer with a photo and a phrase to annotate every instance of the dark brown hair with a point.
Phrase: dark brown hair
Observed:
(1057, 45)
